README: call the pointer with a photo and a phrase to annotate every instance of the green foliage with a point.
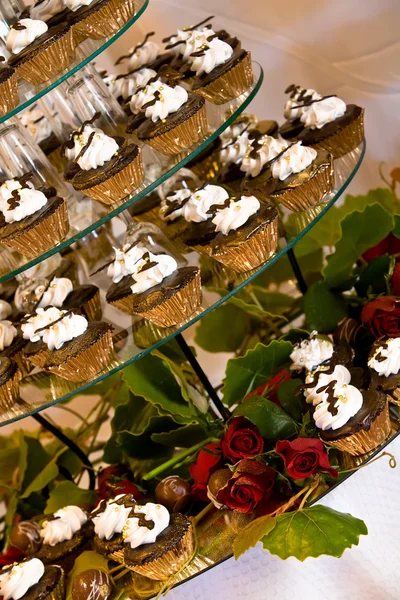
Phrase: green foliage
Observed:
(255, 368)
(252, 534)
(67, 493)
(372, 278)
(273, 422)
(312, 532)
(291, 398)
(323, 308)
(222, 330)
(183, 437)
(360, 231)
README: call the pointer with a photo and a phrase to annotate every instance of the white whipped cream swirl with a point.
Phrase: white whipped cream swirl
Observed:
(70, 327)
(37, 124)
(235, 151)
(314, 395)
(127, 86)
(269, 147)
(68, 521)
(310, 353)
(236, 214)
(293, 107)
(318, 114)
(169, 100)
(55, 294)
(41, 319)
(178, 196)
(146, 279)
(125, 262)
(143, 56)
(20, 578)
(5, 310)
(18, 39)
(135, 535)
(217, 53)
(194, 41)
(75, 4)
(102, 148)
(112, 520)
(7, 334)
(294, 160)
(45, 9)
(197, 207)
(28, 201)
(386, 358)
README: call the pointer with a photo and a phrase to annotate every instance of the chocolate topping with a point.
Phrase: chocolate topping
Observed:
(93, 583)
(174, 493)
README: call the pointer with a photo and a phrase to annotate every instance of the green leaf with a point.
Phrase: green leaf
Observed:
(360, 231)
(36, 460)
(251, 534)
(112, 452)
(85, 561)
(9, 457)
(67, 493)
(372, 277)
(290, 398)
(222, 330)
(281, 270)
(381, 196)
(176, 371)
(273, 422)
(325, 232)
(312, 532)
(141, 448)
(183, 437)
(323, 308)
(42, 479)
(255, 368)
(151, 379)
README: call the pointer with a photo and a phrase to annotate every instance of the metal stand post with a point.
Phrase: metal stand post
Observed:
(297, 271)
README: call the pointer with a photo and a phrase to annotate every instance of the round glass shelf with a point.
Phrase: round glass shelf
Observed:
(134, 339)
(93, 215)
(85, 53)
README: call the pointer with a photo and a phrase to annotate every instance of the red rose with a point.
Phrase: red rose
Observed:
(271, 388)
(304, 457)
(11, 556)
(242, 440)
(113, 481)
(250, 485)
(389, 245)
(206, 463)
(395, 280)
(382, 316)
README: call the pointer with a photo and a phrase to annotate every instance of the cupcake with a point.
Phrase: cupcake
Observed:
(385, 366)
(105, 168)
(32, 580)
(12, 345)
(38, 53)
(174, 119)
(52, 12)
(9, 96)
(322, 121)
(109, 519)
(350, 419)
(290, 174)
(65, 535)
(145, 54)
(125, 85)
(31, 221)
(98, 19)
(221, 72)
(77, 350)
(10, 377)
(153, 286)
(156, 544)
(36, 351)
(311, 353)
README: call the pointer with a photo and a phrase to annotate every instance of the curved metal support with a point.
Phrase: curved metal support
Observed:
(297, 271)
(70, 444)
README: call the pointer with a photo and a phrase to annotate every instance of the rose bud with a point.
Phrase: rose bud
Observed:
(174, 493)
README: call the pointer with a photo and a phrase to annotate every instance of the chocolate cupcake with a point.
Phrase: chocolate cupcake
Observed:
(125, 85)
(104, 168)
(157, 544)
(38, 53)
(352, 420)
(174, 120)
(52, 12)
(31, 221)
(9, 96)
(323, 121)
(145, 54)
(65, 535)
(32, 580)
(154, 286)
(290, 174)
(384, 364)
(78, 350)
(32, 326)
(12, 345)
(98, 19)
(10, 377)
(311, 353)
(109, 519)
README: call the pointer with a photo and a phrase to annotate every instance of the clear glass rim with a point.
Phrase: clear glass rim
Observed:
(197, 317)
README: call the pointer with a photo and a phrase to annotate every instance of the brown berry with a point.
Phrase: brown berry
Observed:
(174, 493)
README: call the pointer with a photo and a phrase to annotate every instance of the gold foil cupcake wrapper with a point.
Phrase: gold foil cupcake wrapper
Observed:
(346, 139)
(50, 61)
(255, 251)
(169, 563)
(59, 591)
(183, 136)
(106, 21)
(209, 168)
(88, 363)
(45, 234)
(365, 440)
(9, 391)
(150, 216)
(118, 186)
(24, 366)
(117, 556)
(9, 97)
(309, 193)
(39, 358)
(92, 308)
(231, 84)
(173, 310)
(57, 159)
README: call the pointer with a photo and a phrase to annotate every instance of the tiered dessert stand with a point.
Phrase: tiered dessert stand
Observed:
(40, 391)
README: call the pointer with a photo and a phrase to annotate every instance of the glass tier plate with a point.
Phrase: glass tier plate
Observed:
(133, 338)
(85, 53)
(89, 215)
